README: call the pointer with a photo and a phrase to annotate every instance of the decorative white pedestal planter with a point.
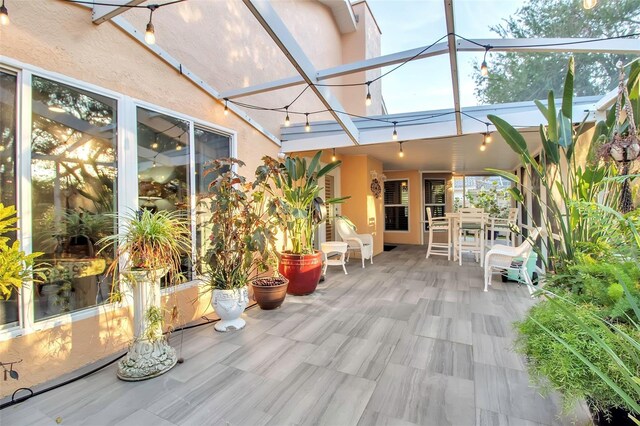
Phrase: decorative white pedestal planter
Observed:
(229, 305)
(146, 358)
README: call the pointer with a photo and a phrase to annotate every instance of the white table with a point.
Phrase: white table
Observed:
(454, 225)
(330, 247)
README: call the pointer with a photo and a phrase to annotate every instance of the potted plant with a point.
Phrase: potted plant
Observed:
(15, 265)
(302, 210)
(243, 228)
(151, 246)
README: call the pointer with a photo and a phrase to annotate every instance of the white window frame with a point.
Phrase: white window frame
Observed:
(384, 206)
(127, 172)
(444, 205)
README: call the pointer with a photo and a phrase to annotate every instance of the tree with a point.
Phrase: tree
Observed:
(527, 76)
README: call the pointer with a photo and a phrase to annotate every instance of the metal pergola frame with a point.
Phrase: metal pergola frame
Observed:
(307, 74)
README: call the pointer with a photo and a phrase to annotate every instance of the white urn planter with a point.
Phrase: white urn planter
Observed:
(229, 305)
(150, 355)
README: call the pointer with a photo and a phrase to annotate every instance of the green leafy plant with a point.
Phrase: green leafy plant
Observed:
(301, 209)
(151, 241)
(243, 224)
(15, 265)
(488, 199)
(566, 181)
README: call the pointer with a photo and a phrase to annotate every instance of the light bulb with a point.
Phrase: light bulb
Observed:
(589, 4)
(150, 34)
(333, 157)
(4, 15)
(178, 147)
(154, 145)
(401, 153)
(483, 146)
(395, 135)
(287, 122)
(154, 163)
(488, 138)
(484, 70)
(226, 107)
(367, 102)
(307, 126)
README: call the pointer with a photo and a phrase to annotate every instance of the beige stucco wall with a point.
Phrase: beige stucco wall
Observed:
(218, 40)
(363, 208)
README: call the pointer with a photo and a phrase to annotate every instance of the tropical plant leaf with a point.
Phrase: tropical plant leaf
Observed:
(567, 95)
(507, 175)
(552, 124)
(550, 149)
(565, 131)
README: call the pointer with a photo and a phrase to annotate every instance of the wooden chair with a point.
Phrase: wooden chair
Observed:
(438, 224)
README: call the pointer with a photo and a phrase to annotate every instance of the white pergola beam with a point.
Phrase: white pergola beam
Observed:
(277, 30)
(351, 68)
(453, 60)
(585, 45)
(102, 13)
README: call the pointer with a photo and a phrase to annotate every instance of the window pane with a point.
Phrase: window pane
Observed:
(163, 172)
(208, 147)
(396, 218)
(8, 308)
(74, 182)
(396, 192)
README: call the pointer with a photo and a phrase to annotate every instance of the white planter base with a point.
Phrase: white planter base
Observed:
(229, 325)
(229, 305)
(146, 360)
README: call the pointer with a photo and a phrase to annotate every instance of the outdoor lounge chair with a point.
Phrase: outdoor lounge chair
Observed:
(502, 257)
(356, 242)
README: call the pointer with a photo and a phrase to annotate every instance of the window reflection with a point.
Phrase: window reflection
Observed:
(8, 308)
(208, 146)
(74, 182)
(163, 160)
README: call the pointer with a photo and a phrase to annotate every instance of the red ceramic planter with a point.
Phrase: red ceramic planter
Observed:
(302, 270)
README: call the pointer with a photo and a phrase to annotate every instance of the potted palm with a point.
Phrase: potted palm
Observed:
(302, 211)
(151, 246)
(243, 228)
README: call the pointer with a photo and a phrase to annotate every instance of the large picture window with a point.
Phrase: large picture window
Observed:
(163, 167)
(489, 193)
(73, 184)
(8, 100)
(396, 205)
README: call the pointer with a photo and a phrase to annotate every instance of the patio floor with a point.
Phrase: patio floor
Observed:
(404, 341)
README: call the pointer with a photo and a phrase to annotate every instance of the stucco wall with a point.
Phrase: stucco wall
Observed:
(218, 40)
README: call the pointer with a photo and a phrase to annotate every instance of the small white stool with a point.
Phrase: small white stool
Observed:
(330, 247)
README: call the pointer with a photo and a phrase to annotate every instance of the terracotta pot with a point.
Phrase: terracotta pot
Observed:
(302, 270)
(270, 296)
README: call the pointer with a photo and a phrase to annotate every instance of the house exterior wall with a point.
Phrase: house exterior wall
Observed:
(222, 43)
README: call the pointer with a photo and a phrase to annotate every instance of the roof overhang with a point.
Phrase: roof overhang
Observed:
(343, 14)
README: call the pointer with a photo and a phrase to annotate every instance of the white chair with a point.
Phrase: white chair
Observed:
(503, 227)
(356, 242)
(438, 224)
(471, 223)
(501, 258)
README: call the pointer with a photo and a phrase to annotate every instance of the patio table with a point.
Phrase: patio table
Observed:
(454, 225)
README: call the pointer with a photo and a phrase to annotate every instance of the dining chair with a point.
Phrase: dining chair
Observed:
(503, 227)
(439, 225)
(471, 224)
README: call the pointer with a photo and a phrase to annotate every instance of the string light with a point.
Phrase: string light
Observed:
(367, 101)
(484, 145)
(484, 70)
(589, 4)
(333, 157)
(178, 147)
(487, 136)
(401, 152)
(4, 15)
(307, 126)
(394, 136)
(226, 106)
(287, 122)
(150, 33)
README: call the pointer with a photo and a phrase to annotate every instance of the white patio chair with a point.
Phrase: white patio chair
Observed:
(438, 224)
(356, 242)
(503, 226)
(471, 224)
(501, 258)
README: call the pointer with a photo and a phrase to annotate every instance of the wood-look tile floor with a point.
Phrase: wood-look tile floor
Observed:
(406, 341)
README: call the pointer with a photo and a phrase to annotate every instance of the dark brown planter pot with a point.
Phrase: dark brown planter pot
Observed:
(302, 270)
(269, 296)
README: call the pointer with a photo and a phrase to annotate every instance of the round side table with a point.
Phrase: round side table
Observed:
(330, 247)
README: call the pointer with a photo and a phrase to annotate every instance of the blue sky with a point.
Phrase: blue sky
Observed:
(406, 24)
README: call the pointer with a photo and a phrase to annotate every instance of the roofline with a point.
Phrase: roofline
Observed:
(375, 21)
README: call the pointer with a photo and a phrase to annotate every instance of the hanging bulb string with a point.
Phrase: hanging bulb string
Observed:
(128, 6)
